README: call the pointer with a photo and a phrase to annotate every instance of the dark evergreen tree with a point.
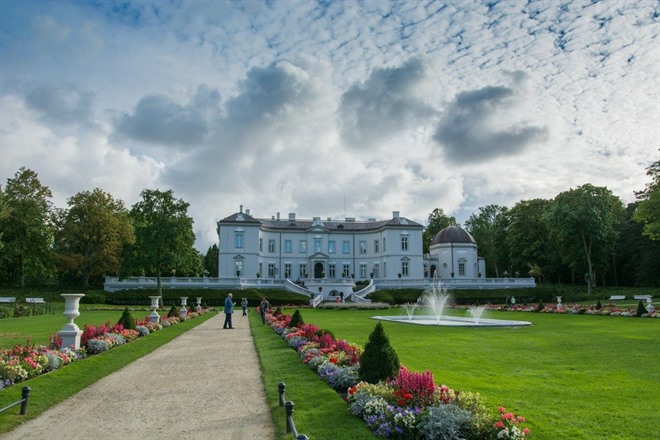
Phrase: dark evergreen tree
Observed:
(174, 311)
(296, 319)
(379, 361)
(127, 320)
(641, 309)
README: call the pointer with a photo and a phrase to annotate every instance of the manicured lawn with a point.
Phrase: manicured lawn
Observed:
(52, 388)
(571, 376)
(319, 412)
(39, 328)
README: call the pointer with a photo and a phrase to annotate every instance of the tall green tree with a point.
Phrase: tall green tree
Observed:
(92, 234)
(584, 222)
(28, 229)
(4, 213)
(528, 238)
(438, 220)
(648, 209)
(635, 261)
(488, 227)
(211, 261)
(164, 237)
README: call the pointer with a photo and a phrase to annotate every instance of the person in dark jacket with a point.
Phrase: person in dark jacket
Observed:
(229, 309)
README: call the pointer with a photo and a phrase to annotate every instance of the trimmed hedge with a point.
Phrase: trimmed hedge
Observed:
(211, 297)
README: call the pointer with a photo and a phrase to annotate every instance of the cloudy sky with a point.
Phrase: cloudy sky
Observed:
(330, 109)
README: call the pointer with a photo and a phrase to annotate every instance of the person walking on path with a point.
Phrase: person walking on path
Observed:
(244, 305)
(262, 309)
(229, 309)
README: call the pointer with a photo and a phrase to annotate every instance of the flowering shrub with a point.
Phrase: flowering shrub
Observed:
(142, 330)
(96, 346)
(507, 426)
(407, 406)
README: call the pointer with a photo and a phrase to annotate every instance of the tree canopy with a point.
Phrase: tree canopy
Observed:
(164, 237)
(584, 223)
(92, 233)
(437, 222)
(648, 209)
(28, 229)
(488, 228)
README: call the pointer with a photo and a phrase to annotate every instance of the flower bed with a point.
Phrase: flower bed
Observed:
(609, 309)
(407, 406)
(21, 363)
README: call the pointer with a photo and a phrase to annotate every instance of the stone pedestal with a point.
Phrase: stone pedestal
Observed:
(199, 303)
(184, 301)
(70, 333)
(559, 304)
(154, 317)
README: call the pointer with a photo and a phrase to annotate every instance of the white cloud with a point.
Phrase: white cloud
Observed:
(375, 106)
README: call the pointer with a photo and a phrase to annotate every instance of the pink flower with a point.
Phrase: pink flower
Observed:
(498, 425)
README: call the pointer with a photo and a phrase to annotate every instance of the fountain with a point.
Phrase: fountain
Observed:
(410, 309)
(436, 300)
(476, 312)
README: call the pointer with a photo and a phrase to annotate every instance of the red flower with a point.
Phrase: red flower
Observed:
(333, 360)
(498, 425)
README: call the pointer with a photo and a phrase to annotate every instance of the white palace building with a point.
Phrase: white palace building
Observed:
(324, 259)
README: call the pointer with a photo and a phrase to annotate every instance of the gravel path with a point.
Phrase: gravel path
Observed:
(205, 384)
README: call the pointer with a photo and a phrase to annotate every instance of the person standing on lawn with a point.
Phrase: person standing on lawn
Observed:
(229, 309)
(262, 309)
(244, 305)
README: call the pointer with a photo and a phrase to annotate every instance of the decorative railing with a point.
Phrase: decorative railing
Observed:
(359, 296)
(288, 409)
(25, 397)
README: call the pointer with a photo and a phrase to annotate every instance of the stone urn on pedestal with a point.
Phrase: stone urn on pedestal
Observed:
(184, 311)
(154, 317)
(199, 303)
(70, 332)
(559, 304)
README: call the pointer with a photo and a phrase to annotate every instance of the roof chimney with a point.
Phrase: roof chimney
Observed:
(395, 214)
(292, 216)
(278, 216)
(241, 209)
(247, 211)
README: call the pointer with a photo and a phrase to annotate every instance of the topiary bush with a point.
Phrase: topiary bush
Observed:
(599, 305)
(540, 307)
(379, 361)
(641, 310)
(127, 320)
(174, 312)
(296, 319)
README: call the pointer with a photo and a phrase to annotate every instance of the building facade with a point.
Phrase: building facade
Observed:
(300, 249)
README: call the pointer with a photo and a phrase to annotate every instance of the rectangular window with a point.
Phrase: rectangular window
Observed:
(288, 247)
(384, 249)
(404, 243)
(302, 269)
(461, 268)
(261, 269)
(317, 245)
(404, 268)
(376, 270)
(287, 270)
(363, 247)
(346, 247)
(271, 270)
(376, 243)
(332, 247)
(261, 245)
(238, 240)
(302, 247)
(238, 267)
(271, 246)
(363, 270)
(346, 271)
(331, 271)
(384, 268)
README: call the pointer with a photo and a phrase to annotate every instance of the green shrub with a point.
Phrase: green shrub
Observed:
(127, 320)
(445, 422)
(174, 312)
(641, 310)
(296, 319)
(540, 307)
(93, 297)
(599, 305)
(379, 361)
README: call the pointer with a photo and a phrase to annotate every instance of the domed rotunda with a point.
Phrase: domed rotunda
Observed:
(453, 254)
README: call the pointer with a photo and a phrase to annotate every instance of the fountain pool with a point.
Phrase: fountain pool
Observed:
(436, 300)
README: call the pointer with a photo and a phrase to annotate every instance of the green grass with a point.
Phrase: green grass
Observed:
(50, 389)
(571, 376)
(39, 328)
(319, 412)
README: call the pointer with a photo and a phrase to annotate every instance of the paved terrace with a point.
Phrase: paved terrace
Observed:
(205, 384)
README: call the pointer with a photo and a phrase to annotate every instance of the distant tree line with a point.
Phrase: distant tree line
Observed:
(583, 236)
